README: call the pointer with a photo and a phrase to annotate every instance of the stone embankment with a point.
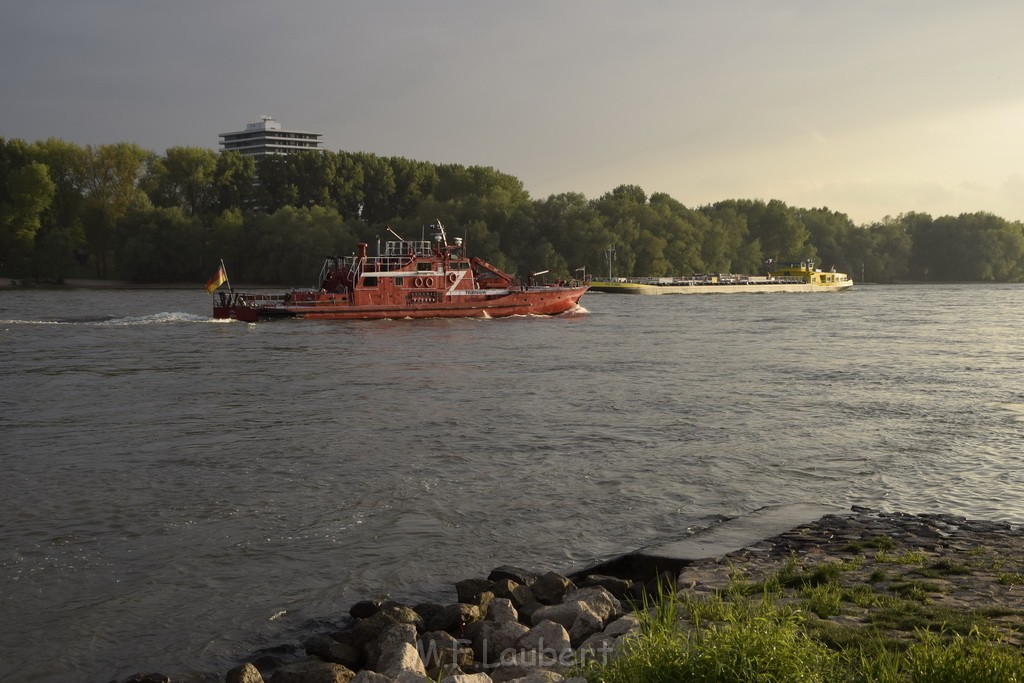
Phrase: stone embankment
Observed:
(519, 626)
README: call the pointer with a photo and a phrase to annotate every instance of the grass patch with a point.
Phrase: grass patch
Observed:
(943, 568)
(911, 557)
(752, 640)
(875, 542)
(794, 575)
(824, 600)
(1011, 578)
(734, 637)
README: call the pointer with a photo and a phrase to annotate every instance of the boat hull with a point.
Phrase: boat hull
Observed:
(638, 288)
(531, 301)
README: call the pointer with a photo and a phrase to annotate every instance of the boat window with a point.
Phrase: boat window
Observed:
(369, 282)
(424, 266)
(399, 281)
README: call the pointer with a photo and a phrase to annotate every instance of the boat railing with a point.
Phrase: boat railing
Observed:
(407, 247)
(258, 299)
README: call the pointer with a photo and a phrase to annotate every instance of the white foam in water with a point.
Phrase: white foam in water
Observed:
(160, 318)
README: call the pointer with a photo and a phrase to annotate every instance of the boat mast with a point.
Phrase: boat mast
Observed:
(440, 229)
(227, 280)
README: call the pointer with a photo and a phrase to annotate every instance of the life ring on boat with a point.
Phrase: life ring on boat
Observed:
(452, 277)
(419, 282)
(429, 282)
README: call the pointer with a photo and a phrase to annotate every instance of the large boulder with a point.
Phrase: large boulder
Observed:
(587, 624)
(490, 641)
(626, 625)
(401, 660)
(469, 590)
(313, 671)
(599, 599)
(597, 648)
(454, 618)
(581, 603)
(246, 673)
(391, 640)
(522, 597)
(505, 639)
(550, 640)
(517, 574)
(330, 650)
(565, 614)
(500, 610)
(524, 664)
(613, 584)
(467, 678)
(365, 608)
(440, 648)
(373, 627)
(367, 676)
(551, 588)
(539, 676)
(427, 610)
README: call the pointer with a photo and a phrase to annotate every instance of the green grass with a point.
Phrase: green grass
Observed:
(876, 542)
(734, 636)
(1011, 578)
(906, 557)
(739, 640)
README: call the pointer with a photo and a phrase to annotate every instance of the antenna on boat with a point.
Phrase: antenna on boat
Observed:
(399, 237)
(440, 230)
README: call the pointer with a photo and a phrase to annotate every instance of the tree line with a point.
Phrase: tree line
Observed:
(120, 211)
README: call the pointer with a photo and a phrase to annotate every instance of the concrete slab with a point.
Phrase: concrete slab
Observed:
(739, 532)
(734, 534)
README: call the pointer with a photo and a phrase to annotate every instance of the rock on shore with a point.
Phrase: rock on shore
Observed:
(523, 627)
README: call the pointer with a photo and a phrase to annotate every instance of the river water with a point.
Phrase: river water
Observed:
(177, 492)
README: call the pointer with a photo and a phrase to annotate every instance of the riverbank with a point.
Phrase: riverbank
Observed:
(854, 576)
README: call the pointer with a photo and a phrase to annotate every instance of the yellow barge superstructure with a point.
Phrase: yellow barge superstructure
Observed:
(800, 276)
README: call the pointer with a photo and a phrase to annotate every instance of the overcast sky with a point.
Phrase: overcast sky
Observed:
(872, 108)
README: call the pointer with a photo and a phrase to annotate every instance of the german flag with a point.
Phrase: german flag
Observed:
(219, 278)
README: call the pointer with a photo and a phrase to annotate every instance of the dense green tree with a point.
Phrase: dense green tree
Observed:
(290, 245)
(684, 231)
(66, 164)
(969, 247)
(378, 189)
(347, 190)
(226, 241)
(161, 245)
(60, 242)
(576, 230)
(414, 182)
(275, 183)
(112, 174)
(723, 239)
(26, 192)
(829, 232)
(234, 180)
(183, 178)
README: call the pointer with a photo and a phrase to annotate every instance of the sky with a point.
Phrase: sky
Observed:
(868, 107)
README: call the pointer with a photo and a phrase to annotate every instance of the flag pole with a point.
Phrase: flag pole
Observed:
(227, 280)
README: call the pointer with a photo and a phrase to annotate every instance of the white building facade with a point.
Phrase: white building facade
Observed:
(268, 137)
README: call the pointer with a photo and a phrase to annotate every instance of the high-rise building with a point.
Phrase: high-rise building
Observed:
(267, 137)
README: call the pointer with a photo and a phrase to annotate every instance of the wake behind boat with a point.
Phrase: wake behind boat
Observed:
(786, 277)
(410, 279)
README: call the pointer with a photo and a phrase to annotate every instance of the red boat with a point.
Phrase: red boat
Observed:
(410, 279)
